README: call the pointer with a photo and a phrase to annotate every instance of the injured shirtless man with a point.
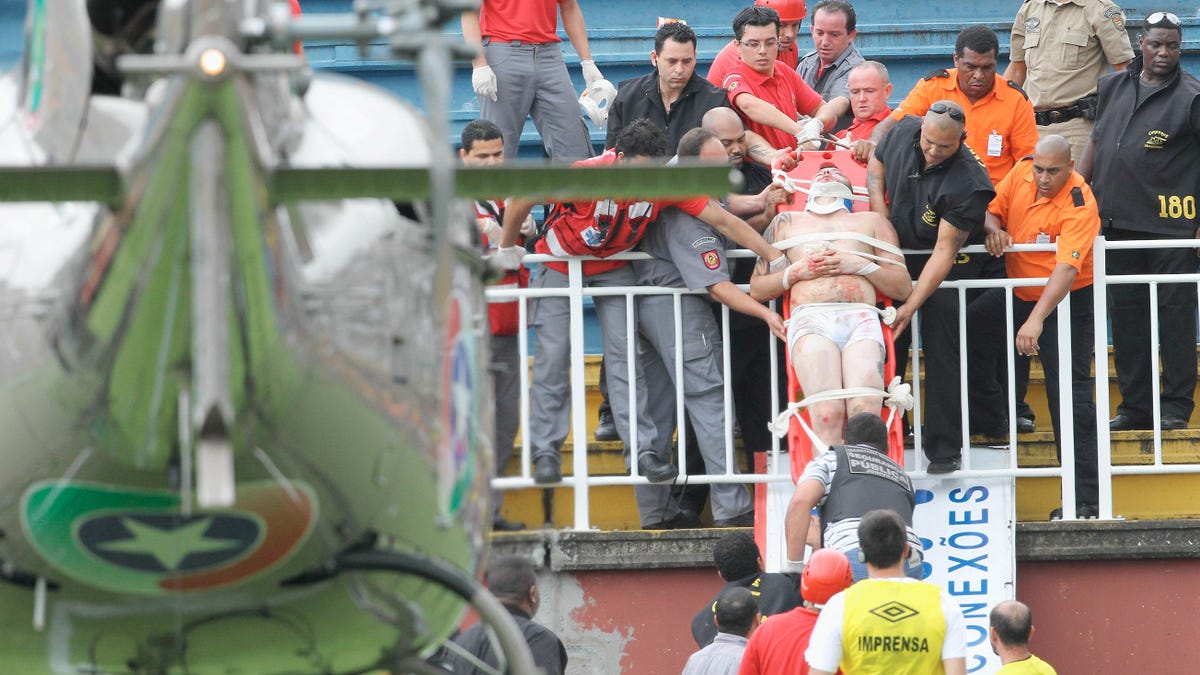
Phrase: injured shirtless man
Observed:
(839, 260)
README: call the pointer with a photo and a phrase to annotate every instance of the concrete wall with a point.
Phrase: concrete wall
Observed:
(1113, 597)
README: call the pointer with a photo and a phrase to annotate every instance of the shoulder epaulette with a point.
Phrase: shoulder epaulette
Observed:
(935, 74)
(1016, 86)
(1077, 196)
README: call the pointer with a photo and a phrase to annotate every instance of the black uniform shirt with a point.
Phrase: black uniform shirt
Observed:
(640, 98)
(957, 190)
(1146, 173)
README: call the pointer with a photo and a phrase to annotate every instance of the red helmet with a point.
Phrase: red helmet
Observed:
(789, 10)
(827, 572)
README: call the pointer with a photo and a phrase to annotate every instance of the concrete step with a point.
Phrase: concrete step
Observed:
(1135, 497)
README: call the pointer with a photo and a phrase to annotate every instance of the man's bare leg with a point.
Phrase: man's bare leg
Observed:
(818, 363)
(862, 366)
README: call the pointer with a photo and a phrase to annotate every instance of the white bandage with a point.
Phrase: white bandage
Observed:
(483, 81)
(867, 269)
(787, 274)
(780, 263)
(508, 257)
(793, 566)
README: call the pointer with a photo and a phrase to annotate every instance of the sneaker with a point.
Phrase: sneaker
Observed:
(1025, 425)
(744, 520)
(1173, 423)
(547, 470)
(501, 524)
(655, 470)
(606, 428)
(684, 520)
(944, 465)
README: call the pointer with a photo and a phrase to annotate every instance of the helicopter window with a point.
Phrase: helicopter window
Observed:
(119, 27)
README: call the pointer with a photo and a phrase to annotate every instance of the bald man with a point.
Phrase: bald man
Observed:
(750, 343)
(1044, 200)
(1011, 627)
(935, 192)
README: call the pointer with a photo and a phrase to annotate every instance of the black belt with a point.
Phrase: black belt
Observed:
(1056, 115)
(518, 43)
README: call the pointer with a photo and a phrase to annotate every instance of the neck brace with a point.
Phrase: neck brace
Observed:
(840, 197)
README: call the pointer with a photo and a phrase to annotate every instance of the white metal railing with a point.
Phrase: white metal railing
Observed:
(581, 481)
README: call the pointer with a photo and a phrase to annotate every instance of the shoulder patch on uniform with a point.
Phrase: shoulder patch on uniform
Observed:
(935, 74)
(712, 259)
(1016, 86)
(704, 241)
(1077, 196)
(1114, 14)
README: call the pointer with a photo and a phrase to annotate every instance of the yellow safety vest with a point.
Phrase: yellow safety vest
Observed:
(892, 627)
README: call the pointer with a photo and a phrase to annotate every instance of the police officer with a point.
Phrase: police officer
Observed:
(929, 636)
(935, 191)
(1141, 161)
(1058, 52)
(689, 254)
(845, 483)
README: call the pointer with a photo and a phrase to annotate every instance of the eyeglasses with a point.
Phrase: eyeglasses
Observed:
(756, 45)
(943, 109)
(1164, 17)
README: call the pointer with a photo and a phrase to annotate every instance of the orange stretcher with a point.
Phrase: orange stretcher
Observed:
(808, 162)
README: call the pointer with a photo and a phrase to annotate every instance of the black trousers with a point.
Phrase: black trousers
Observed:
(1129, 311)
(988, 333)
(938, 318)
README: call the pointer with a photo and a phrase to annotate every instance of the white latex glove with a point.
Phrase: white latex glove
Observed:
(793, 566)
(483, 81)
(810, 130)
(590, 72)
(778, 265)
(508, 257)
(529, 227)
(493, 231)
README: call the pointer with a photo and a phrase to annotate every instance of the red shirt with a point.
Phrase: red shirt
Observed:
(777, 646)
(603, 228)
(860, 130)
(783, 89)
(521, 20)
(728, 57)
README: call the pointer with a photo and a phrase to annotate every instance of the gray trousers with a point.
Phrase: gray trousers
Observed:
(532, 80)
(506, 383)
(703, 392)
(550, 391)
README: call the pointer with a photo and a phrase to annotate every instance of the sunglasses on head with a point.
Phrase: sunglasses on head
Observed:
(1164, 18)
(943, 109)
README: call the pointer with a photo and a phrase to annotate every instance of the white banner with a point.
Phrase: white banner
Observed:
(967, 526)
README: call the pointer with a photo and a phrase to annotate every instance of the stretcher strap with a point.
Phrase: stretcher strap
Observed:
(898, 396)
(794, 185)
(886, 314)
(826, 237)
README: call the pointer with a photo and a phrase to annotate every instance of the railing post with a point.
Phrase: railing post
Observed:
(1066, 412)
(579, 455)
(1100, 326)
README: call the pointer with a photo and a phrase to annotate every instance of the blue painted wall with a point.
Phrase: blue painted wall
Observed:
(912, 38)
